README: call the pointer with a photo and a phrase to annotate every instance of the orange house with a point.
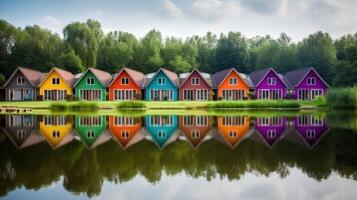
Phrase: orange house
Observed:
(126, 85)
(125, 130)
(231, 85)
(195, 128)
(233, 129)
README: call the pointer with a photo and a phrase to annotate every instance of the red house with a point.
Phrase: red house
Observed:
(126, 85)
(195, 86)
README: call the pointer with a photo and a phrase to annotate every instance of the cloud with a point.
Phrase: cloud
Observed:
(52, 23)
(214, 9)
(99, 12)
(170, 9)
(265, 7)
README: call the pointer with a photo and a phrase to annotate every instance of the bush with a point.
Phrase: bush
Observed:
(254, 104)
(84, 106)
(59, 106)
(342, 98)
(131, 105)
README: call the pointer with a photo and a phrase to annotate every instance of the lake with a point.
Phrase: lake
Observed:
(227, 155)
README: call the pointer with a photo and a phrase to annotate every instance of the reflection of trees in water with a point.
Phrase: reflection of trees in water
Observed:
(84, 171)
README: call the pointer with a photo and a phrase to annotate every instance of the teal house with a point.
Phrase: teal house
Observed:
(161, 86)
(91, 85)
(162, 129)
(92, 130)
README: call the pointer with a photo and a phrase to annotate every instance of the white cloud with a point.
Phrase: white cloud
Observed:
(171, 9)
(214, 9)
(52, 23)
(99, 12)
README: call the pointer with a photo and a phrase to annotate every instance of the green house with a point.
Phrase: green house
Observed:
(92, 85)
(92, 130)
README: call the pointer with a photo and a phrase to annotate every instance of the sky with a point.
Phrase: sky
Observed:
(182, 18)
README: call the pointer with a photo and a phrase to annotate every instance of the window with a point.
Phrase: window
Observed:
(161, 81)
(161, 134)
(20, 80)
(90, 81)
(161, 120)
(315, 93)
(55, 81)
(188, 94)
(124, 94)
(316, 121)
(55, 134)
(233, 81)
(263, 94)
(90, 95)
(201, 120)
(189, 120)
(195, 134)
(311, 80)
(54, 120)
(271, 81)
(21, 134)
(159, 95)
(311, 134)
(125, 134)
(125, 81)
(303, 120)
(271, 134)
(195, 81)
(90, 134)
(233, 120)
(232, 134)
(124, 121)
(233, 94)
(90, 121)
(201, 94)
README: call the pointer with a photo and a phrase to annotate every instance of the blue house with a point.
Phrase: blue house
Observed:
(162, 129)
(161, 86)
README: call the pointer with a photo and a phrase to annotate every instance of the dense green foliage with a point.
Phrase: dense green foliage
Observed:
(131, 105)
(254, 104)
(79, 106)
(342, 97)
(85, 45)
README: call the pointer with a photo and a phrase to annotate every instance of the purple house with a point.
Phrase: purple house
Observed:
(306, 84)
(268, 84)
(311, 128)
(271, 129)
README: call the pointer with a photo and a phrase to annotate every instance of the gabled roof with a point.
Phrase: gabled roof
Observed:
(172, 76)
(220, 76)
(67, 76)
(206, 77)
(34, 77)
(296, 76)
(103, 77)
(259, 75)
(136, 76)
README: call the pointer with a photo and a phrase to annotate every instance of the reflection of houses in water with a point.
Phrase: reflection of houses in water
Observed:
(270, 129)
(92, 130)
(232, 129)
(126, 130)
(162, 129)
(22, 130)
(310, 128)
(195, 128)
(57, 130)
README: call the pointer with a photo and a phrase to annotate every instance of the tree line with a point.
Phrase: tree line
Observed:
(84, 44)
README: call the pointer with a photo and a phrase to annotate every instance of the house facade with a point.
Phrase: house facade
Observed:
(195, 86)
(57, 85)
(268, 84)
(271, 129)
(125, 130)
(231, 85)
(22, 85)
(195, 128)
(161, 86)
(162, 129)
(306, 84)
(126, 85)
(92, 85)
(90, 128)
(233, 129)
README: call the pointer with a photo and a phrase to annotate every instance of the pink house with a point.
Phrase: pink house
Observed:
(195, 86)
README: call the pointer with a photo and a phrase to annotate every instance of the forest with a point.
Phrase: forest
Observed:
(84, 44)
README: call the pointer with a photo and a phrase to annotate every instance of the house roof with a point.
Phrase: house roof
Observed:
(171, 75)
(220, 76)
(34, 77)
(259, 75)
(103, 77)
(136, 76)
(207, 77)
(296, 76)
(67, 76)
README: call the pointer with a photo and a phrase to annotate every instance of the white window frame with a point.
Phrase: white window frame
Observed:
(124, 81)
(125, 134)
(90, 133)
(271, 81)
(311, 133)
(161, 134)
(310, 81)
(233, 81)
(232, 134)
(161, 81)
(21, 80)
(195, 134)
(195, 81)
(271, 133)
(56, 81)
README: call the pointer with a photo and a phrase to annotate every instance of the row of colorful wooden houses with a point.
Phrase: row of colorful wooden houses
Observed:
(163, 85)
(26, 130)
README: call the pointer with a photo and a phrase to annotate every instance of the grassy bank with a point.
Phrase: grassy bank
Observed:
(79, 106)
(342, 98)
(254, 104)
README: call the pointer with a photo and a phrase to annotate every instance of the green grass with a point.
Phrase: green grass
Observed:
(131, 105)
(342, 98)
(254, 104)
(78, 106)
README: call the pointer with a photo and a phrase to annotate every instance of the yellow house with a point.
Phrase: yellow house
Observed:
(57, 130)
(56, 85)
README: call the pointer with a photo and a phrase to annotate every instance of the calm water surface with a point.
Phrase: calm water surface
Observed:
(230, 156)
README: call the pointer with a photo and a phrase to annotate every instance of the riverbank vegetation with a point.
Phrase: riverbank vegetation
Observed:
(131, 105)
(254, 104)
(85, 44)
(342, 98)
(80, 106)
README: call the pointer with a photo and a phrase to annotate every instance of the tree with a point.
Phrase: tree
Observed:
(8, 34)
(232, 51)
(71, 62)
(318, 51)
